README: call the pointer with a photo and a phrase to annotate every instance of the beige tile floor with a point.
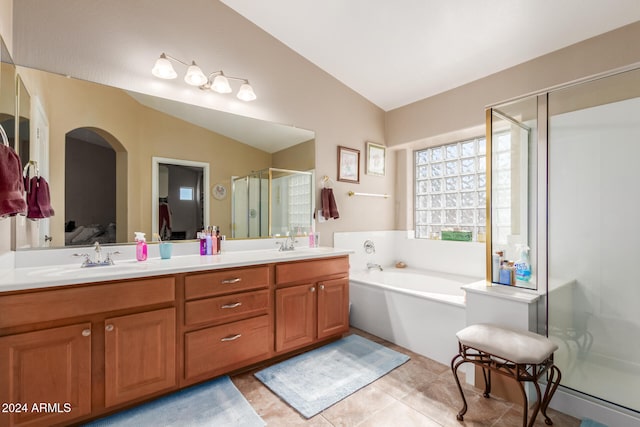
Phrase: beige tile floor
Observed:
(421, 393)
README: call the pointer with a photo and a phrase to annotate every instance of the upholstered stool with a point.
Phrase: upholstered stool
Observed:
(521, 355)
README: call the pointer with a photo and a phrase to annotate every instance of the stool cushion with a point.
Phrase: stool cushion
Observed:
(509, 344)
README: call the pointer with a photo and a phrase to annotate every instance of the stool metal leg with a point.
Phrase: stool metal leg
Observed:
(486, 373)
(454, 367)
(538, 404)
(552, 386)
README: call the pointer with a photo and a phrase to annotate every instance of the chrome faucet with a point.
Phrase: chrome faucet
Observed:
(97, 261)
(287, 245)
(371, 265)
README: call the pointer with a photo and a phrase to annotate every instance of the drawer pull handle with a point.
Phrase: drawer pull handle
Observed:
(231, 281)
(231, 338)
(86, 332)
(312, 289)
(322, 287)
(108, 328)
(234, 305)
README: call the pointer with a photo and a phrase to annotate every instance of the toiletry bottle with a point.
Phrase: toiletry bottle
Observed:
(312, 240)
(505, 274)
(203, 243)
(495, 267)
(209, 242)
(218, 241)
(214, 241)
(141, 246)
(523, 265)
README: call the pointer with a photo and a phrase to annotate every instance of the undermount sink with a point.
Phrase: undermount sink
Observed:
(77, 270)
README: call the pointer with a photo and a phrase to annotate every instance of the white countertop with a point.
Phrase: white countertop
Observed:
(22, 278)
(513, 293)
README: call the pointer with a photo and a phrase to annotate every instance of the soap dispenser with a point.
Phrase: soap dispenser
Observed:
(141, 246)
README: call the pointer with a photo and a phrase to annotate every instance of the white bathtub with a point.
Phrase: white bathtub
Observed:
(417, 309)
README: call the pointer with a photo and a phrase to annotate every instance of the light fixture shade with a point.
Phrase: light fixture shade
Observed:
(221, 84)
(246, 92)
(195, 76)
(163, 68)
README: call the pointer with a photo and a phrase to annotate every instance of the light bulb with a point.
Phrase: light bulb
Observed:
(195, 76)
(221, 84)
(246, 92)
(163, 68)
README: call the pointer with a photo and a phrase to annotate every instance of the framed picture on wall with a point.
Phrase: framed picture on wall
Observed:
(348, 164)
(375, 159)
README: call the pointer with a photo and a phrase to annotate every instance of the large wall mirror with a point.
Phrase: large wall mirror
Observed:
(125, 131)
(7, 94)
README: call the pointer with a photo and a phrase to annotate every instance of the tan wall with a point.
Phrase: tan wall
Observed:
(299, 157)
(143, 134)
(459, 113)
(464, 106)
(6, 23)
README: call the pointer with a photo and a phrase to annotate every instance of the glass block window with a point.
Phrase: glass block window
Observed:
(450, 188)
(299, 202)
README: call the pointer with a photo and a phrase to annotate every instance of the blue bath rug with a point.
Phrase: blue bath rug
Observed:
(214, 403)
(590, 423)
(313, 381)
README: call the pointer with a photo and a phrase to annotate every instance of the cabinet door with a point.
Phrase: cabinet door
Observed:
(295, 316)
(333, 307)
(50, 369)
(140, 355)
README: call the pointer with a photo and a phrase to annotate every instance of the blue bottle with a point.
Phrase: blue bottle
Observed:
(523, 265)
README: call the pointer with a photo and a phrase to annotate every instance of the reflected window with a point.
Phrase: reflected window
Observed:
(450, 189)
(186, 193)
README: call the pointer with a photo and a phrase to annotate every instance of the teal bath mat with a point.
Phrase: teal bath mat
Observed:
(313, 381)
(590, 423)
(214, 403)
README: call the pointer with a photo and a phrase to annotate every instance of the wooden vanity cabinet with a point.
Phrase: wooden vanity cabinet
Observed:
(49, 366)
(312, 302)
(78, 351)
(227, 320)
(140, 355)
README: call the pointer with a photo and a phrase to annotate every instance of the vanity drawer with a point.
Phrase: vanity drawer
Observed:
(46, 305)
(311, 271)
(213, 350)
(225, 281)
(226, 308)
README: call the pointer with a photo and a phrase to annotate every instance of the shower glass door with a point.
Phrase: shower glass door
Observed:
(593, 252)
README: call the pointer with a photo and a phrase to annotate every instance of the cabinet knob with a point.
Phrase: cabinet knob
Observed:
(234, 305)
(231, 337)
(231, 281)
(86, 332)
(108, 328)
(312, 289)
(322, 287)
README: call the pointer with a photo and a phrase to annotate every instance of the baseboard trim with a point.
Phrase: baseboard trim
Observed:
(581, 406)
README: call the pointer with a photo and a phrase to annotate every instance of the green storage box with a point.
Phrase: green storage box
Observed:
(458, 236)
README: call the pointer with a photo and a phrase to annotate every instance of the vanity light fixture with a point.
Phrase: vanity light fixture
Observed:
(216, 81)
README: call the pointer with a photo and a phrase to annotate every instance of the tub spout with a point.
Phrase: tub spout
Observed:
(371, 265)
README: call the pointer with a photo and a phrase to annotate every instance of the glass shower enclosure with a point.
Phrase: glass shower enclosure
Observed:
(577, 214)
(271, 203)
(594, 149)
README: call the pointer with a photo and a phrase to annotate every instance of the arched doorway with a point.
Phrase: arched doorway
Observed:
(95, 197)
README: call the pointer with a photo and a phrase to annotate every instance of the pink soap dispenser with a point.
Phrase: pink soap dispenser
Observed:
(141, 246)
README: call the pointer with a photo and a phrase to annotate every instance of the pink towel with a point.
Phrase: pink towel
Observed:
(11, 187)
(38, 199)
(329, 208)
